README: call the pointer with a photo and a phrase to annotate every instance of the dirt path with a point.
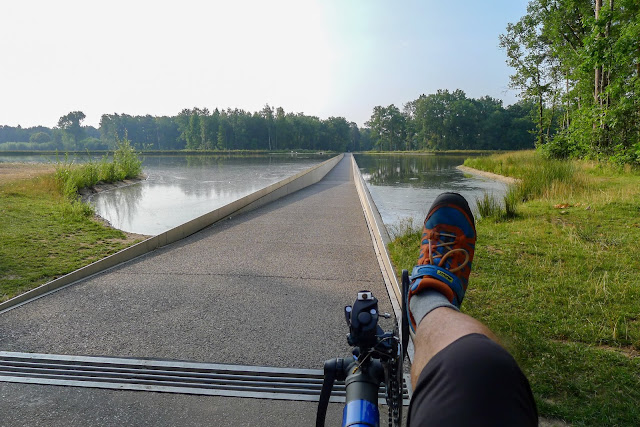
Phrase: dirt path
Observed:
(18, 171)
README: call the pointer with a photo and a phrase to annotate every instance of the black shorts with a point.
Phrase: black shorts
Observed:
(472, 382)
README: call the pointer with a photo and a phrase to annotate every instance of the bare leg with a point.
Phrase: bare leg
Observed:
(437, 330)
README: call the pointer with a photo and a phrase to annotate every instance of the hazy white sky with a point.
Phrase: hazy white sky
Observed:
(319, 57)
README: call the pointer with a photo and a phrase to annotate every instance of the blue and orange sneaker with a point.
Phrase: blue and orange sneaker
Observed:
(446, 252)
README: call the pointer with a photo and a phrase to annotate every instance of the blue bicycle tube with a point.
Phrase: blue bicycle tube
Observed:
(360, 413)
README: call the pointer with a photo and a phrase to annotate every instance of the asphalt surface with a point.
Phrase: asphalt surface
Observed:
(264, 288)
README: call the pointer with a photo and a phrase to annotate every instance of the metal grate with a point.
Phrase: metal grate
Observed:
(170, 376)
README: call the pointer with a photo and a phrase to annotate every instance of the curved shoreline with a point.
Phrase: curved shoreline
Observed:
(88, 192)
(490, 175)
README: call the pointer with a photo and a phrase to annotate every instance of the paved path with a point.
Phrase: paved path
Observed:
(264, 288)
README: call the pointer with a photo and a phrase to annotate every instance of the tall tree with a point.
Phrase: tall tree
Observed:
(70, 124)
(590, 54)
(267, 115)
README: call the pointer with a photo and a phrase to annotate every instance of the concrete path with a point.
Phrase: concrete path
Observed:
(264, 288)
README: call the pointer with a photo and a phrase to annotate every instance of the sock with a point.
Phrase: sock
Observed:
(424, 302)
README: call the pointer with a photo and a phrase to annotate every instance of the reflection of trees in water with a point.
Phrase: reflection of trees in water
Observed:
(120, 205)
(226, 176)
(423, 171)
(199, 180)
(221, 160)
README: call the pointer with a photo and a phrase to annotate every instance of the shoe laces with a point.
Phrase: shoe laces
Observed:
(447, 250)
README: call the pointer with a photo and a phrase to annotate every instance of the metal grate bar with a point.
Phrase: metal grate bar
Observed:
(170, 376)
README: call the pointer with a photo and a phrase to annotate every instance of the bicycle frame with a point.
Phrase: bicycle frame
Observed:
(377, 356)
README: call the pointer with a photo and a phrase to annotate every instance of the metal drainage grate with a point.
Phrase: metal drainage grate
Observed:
(170, 376)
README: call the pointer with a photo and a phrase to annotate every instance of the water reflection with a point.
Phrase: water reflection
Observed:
(404, 186)
(180, 188)
(123, 204)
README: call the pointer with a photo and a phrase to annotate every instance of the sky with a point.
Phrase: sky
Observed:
(318, 57)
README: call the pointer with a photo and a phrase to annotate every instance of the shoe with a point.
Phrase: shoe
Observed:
(446, 251)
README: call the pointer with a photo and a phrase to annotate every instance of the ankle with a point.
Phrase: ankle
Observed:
(425, 302)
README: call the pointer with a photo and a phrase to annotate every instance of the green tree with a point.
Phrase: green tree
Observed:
(267, 115)
(40, 137)
(70, 124)
(586, 56)
(388, 127)
(222, 143)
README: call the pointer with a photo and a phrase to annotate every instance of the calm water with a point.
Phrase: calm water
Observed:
(404, 186)
(181, 188)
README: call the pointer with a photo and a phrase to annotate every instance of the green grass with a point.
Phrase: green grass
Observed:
(559, 284)
(46, 233)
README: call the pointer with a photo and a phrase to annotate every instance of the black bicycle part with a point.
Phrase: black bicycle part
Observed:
(377, 359)
(334, 369)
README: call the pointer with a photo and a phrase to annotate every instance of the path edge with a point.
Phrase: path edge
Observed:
(380, 239)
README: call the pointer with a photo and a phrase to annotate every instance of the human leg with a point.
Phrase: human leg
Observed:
(439, 329)
(460, 374)
(472, 382)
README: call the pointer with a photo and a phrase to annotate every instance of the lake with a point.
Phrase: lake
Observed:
(403, 186)
(179, 188)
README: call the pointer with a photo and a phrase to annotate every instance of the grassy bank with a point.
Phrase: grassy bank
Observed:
(558, 281)
(46, 233)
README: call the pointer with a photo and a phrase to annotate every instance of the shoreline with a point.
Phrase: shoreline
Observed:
(88, 192)
(490, 175)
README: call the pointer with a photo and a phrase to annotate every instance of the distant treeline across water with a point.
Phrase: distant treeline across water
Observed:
(441, 121)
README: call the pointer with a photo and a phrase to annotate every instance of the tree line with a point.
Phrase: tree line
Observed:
(451, 121)
(192, 129)
(579, 62)
(440, 121)
(237, 129)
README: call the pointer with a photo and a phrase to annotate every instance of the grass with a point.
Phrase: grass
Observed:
(559, 283)
(537, 177)
(47, 233)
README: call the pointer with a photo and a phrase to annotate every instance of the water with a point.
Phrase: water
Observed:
(404, 186)
(180, 188)
(47, 158)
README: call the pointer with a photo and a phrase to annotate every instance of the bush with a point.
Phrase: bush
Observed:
(126, 161)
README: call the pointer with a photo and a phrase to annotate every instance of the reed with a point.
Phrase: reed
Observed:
(72, 177)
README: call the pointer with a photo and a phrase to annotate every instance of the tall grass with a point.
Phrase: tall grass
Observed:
(538, 178)
(72, 177)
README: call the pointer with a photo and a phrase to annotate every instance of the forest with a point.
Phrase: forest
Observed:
(451, 121)
(441, 121)
(579, 63)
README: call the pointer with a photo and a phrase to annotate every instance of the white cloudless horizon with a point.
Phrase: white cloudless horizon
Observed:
(322, 58)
